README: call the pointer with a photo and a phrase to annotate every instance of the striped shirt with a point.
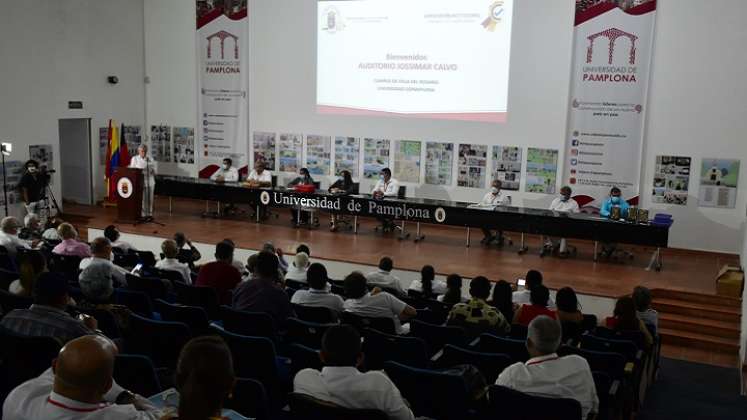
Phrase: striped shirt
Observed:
(45, 321)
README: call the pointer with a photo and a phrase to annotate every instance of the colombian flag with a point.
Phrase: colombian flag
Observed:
(116, 156)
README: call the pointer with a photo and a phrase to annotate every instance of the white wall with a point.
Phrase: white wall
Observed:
(54, 51)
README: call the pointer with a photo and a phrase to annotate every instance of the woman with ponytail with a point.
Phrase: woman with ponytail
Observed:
(204, 378)
(428, 285)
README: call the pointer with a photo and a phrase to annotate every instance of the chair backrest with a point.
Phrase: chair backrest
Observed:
(317, 185)
(490, 364)
(194, 316)
(249, 399)
(136, 373)
(295, 284)
(303, 357)
(138, 302)
(274, 181)
(23, 358)
(9, 301)
(516, 349)
(337, 289)
(65, 263)
(146, 258)
(610, 363)
(636, 336)
(572, 331)
(170, 275)
(304, 332)
(431, 393)
(356, 188)
(509, 404)
(125, 260)
(626, 348)
(256, 324)
(204, 297)
(318, 314)
(430, 316)
(152, 286)
(310, 408)
(162, 341)
(402, 192)
(437, 336)
(379, 348)
(106, 320)
(518, 332)
(385, 325)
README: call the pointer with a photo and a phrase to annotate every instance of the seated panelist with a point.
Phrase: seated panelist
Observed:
(259, 177)
(615, 200)
(303, 178)
(344, 185)
(494, 197)
(386, 186)
(226, 173)
(562, 204)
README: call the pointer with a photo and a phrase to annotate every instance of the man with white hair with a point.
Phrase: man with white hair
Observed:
(148, 165)
(9, 236)
(101, 250)
(548, 375)
(31, 228)
(297, 268)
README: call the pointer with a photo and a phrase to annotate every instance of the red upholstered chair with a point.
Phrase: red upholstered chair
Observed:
(633, 202)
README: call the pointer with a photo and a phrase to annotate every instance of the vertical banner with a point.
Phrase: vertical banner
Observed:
(610, 75)
(222, 84)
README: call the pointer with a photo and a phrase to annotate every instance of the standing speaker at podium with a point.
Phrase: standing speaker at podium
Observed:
(148, 166)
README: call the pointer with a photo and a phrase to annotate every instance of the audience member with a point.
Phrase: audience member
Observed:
(304, 248)
(384, 278)
(283, 264)
(538, 298)
(341, 383)
(9, 236)
(170, 261)
(70, 244)
(546, 374)
(453, 293)
(263, 294)
(204, 378)
(568, 308)
(501, 300)
(31, 230)
(297, 268)
(251, 267)
(31, 266)
(642, 301)
(477, 313)
(96, 283)
(376, 304)
(186, 255)
(318, 293)
(47, 316)
(79, 385)
(625, 318)
(101, 249)
(236, 263)
(50, 233)
(220, 274)
(112, 234)
(533, 278)
(428, 285)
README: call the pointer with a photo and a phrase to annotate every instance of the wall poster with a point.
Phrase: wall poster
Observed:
(160, 143)
(347, 152)
(507, 166)
(542, 170)
(290, 148)
(671, 180)
(318, 154)
(407, 161)
(264, 149)
(184, 145)
(439, 163)
(473, 165)
(718, 183)
(375, 157)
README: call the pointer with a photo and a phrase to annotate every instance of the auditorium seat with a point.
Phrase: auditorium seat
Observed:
(9, 301)
(385, 325)
(607, 392)
(303, 357)
(106, 321)
(437, 336)
(162, 341)
(136, 373)
(305, 407)
(152, 286)
(255, 324)
(249, 399)
(193, 316)
(146, 258)
(304, 332)
(23, 358)
(379, 348)
(516, 349)
(297, 285)
(318, 314)
(490, 364)
(430, 317)
(204, 297)
(138, 302)
(509, 404)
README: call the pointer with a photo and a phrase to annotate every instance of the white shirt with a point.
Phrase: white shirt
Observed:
(314, 297)
(386, 279)
(570, 206)
(124, 246)
(500, 199)
(172, 264)
(265, 176)
(35, 399)
(521, 297)
(349, 388)
(11, 242)
(438, 287)
(380, 305)
(119, 273)
(149, 175)
(553, 376)
(229, 175)
(390, 189)
(295, 273)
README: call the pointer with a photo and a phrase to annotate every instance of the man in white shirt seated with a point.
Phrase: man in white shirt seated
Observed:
(9, 236)
(385, 187)
(562, 204)
(376, 304)
(79, 386)
(533, 278)
(226, 173)
(297, 268)
(341, 383)
(259, 177)
(112, 234)
(548, 375)
(494, 197)
(101, 250)
(318, 293)
(170, 261)
(384, 278)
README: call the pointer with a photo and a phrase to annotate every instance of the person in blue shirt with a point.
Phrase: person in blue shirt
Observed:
(614, 200)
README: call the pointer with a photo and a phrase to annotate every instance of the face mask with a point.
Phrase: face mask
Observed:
(494, 190)
(615, 200)
(32, 169)
(225, 166)
(564, 198)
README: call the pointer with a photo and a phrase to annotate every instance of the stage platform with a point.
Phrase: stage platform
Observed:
(443, 247)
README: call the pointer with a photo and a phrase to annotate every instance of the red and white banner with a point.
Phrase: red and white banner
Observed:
(613, 41)
(222, 85)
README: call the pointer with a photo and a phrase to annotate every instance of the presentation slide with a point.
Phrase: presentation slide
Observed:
(445, 59)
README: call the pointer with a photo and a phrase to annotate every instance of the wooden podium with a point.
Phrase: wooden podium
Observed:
(129, 193)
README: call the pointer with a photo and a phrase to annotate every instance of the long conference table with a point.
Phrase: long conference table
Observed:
(428, 211)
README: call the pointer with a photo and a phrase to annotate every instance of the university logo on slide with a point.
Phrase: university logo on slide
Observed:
(124, 187)
(332, 20)
(221, 36)
(612, 34)
(495, 16)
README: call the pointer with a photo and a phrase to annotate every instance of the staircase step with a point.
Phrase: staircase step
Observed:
(699, 325)
(717, 300)
(701, 341)
(697, 310)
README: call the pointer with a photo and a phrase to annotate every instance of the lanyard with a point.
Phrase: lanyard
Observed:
(77, 409)
(542, 361)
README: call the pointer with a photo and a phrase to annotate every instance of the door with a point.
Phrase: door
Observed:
(76, 174)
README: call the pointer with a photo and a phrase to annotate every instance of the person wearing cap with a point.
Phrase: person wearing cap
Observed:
(47, 316)
(9, 236)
